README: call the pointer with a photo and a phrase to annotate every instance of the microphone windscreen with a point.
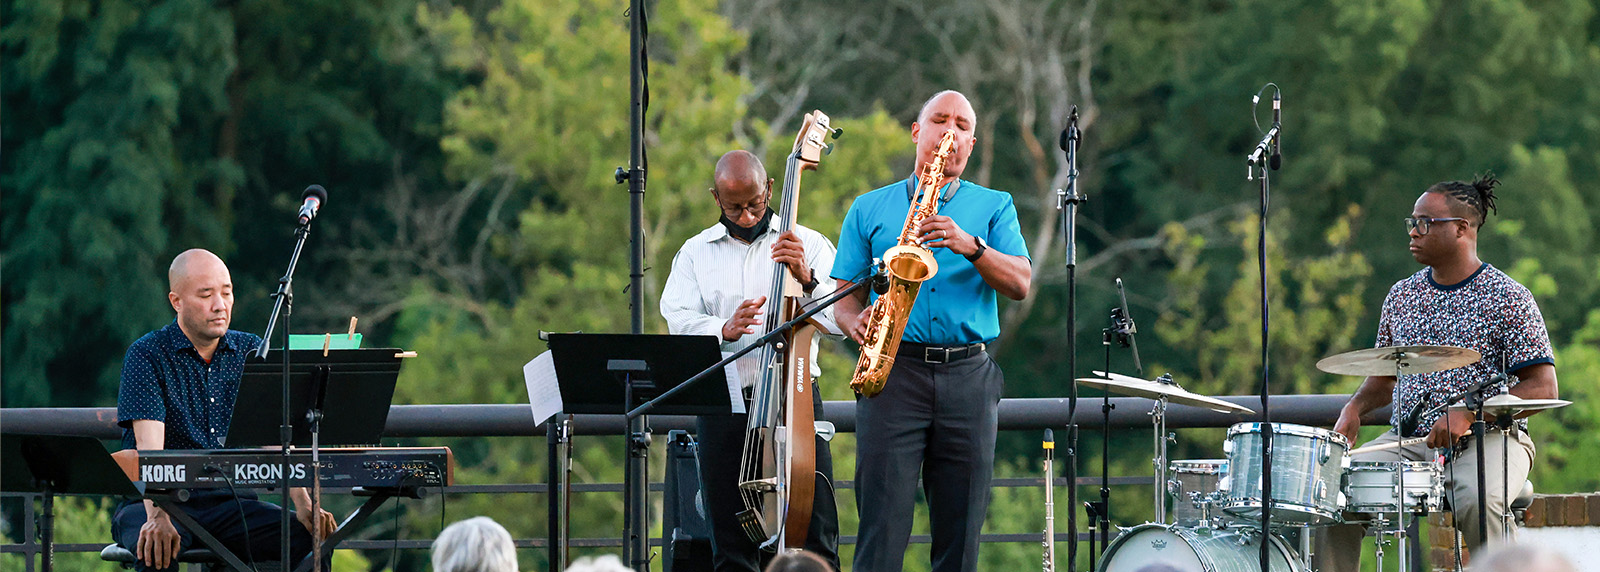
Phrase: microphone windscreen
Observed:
(316, 191)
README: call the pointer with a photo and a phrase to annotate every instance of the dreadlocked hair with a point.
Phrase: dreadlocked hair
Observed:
(1478, 194)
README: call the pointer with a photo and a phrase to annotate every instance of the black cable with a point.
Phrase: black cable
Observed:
(395, 550)
(249, 547)
(1454, 506)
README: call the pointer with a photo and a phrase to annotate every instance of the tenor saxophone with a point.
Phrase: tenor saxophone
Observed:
(908, 264)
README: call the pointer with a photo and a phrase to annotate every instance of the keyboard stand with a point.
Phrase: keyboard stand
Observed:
(168, 501)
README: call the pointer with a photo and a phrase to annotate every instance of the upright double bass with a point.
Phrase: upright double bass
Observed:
(777, 474)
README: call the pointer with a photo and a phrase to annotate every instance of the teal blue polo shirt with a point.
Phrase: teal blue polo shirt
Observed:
(955, 306)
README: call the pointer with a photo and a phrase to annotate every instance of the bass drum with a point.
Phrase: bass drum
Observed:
(1232, 549)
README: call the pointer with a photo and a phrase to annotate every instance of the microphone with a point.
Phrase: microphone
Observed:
(1408, 424)
(880, 277)
(314, 196)
(1129, 327)
(1277, 121)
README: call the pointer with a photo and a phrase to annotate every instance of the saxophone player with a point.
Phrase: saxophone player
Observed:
(938, 412)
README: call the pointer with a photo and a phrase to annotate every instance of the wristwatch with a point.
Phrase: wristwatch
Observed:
(976, 254)
(808, 287)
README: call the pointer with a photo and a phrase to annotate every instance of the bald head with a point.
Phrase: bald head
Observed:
(192, 262)
(738, 167)
(953, 97)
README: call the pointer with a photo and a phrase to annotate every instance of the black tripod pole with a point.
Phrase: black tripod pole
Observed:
(635, 544)
(635, 500)
(1067, 201)
(1479, 427)
(283, 305)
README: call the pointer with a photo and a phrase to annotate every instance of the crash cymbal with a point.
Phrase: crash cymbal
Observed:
(1135, 387)
(1506, 403)
(1398, 360)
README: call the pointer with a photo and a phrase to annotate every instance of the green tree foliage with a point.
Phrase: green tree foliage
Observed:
(102, 182)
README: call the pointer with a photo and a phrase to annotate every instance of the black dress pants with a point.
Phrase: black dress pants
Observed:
(721, 441)
(220, 516)
(939, 421)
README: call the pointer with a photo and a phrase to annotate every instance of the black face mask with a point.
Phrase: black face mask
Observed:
(747, 235)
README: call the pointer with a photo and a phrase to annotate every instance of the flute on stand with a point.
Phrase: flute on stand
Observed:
(1049, 502)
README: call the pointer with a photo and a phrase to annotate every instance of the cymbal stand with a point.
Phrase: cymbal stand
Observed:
(1119, 332)
(1158, 421)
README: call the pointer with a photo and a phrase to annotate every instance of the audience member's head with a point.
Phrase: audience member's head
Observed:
(799, 561)
(1520, 558)
(604, 563)
(1159, 568)
(474, 545)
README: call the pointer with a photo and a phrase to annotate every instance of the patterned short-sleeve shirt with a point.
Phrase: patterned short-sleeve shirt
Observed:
(164, 379)
(1488, 312)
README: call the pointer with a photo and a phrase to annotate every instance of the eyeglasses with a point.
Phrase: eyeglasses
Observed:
(756, 207)
(1421, 224)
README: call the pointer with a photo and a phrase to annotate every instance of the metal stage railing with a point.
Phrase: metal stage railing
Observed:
(484, 420)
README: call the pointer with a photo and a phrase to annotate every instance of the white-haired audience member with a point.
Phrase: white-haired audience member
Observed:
(1520, 558)
(605, 563)
(799, 561)
(474, 545)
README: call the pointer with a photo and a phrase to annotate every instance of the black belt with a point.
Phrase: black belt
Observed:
(939, 354)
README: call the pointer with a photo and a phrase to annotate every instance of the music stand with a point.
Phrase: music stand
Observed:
(358, 384)
(592, 370)
(60, 464)
(613, 373)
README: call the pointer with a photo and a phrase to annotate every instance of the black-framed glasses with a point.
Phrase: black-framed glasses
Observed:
(756, 207)
(1421, 223)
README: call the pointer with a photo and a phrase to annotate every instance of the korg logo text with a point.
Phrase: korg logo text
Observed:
(164, 473)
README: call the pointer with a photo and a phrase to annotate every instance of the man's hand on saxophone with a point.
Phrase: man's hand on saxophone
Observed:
(852, 313)
(939, 231)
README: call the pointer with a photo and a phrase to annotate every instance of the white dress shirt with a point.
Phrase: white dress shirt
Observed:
(714, 272)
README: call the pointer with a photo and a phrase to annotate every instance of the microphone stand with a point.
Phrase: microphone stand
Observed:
(1258, 159)
(284, 305)
(761, 342)
(1067, 201)
(1474, 398)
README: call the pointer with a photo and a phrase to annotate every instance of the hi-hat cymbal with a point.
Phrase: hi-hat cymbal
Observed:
(1398, 360)
(1135, 387)
(1506, 403)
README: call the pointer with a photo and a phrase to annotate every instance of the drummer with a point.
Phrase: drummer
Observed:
(1458, 300)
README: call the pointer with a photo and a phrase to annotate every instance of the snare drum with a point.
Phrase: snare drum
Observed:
(1394, 486)
(1192, 486)
(1308, 466)
(1232, 549)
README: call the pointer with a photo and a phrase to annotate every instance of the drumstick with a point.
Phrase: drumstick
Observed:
(1394, 444)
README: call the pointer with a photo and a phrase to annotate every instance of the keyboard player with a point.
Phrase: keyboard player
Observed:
(178, 389)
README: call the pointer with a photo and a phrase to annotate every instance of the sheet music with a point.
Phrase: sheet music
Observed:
(735, 388)
(544, 394)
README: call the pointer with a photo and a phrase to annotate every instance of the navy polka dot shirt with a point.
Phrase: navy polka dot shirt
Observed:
(164, 379)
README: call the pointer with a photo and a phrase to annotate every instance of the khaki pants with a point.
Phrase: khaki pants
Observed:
(1338, 548)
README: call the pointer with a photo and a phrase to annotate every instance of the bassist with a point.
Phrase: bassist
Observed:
(719, 286)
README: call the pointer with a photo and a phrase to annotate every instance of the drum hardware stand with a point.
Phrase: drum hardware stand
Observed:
(1067, 201)
(1474, 397)
(1119, 332)
(1158, 419)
